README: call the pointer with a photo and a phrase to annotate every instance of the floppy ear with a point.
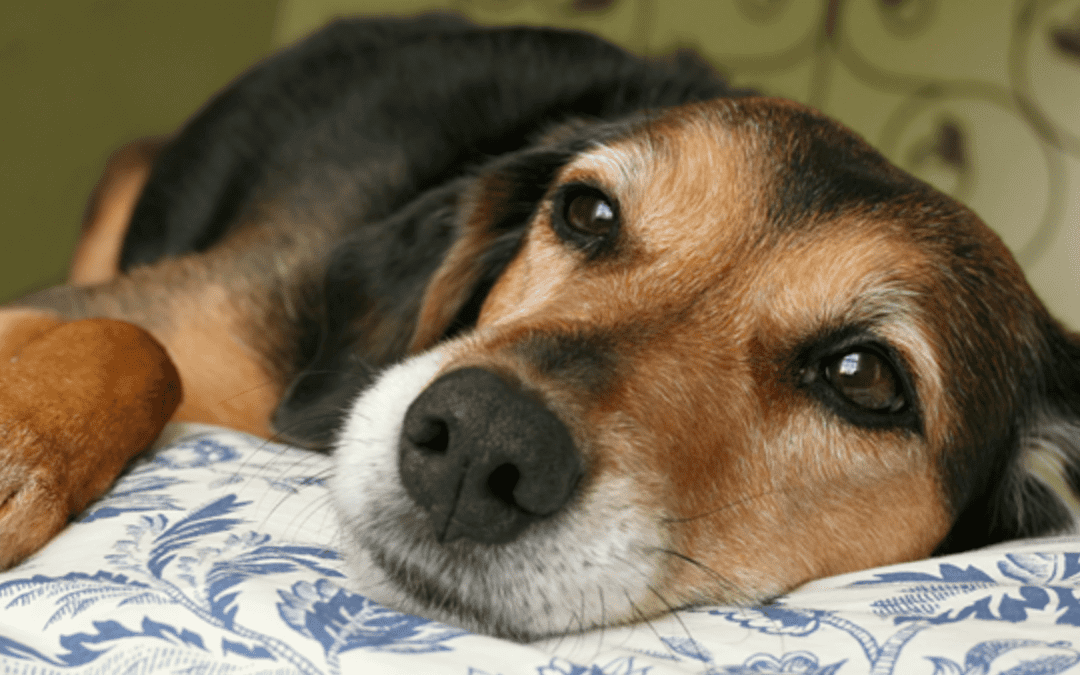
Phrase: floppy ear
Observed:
(494, 215)
(1036, 490)
(1046, 491)
(402, 285)
(367, 313)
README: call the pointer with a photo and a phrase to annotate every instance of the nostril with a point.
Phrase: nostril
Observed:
(432, 434)
(484, 458)
(502, 481)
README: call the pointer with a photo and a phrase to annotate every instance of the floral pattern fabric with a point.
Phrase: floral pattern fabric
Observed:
(216, 554)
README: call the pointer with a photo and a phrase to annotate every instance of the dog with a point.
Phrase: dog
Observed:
(592, 337)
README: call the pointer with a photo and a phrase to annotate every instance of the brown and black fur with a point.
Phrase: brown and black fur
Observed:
(386, 187)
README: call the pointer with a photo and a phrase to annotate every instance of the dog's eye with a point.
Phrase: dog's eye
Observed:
(862, 380)
(867, 380)
(585, 216)
(590, 213)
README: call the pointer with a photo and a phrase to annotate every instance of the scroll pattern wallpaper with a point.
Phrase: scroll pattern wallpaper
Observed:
(982, 99)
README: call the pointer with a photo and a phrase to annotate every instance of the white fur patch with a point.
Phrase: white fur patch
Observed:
(366, 461)
(1047, 455)
(591, 564)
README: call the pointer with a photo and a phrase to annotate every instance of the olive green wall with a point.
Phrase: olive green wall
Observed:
(78, 79)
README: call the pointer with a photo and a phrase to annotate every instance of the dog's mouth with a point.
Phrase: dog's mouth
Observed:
(441, 596)
(525, 590)
(488, 472)
(511, 590)
(475, 523)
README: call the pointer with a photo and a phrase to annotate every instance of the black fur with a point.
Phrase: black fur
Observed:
(379, 131)
(436, 95)
(405, 110)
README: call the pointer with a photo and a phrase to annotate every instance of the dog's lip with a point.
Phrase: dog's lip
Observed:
(437, 596)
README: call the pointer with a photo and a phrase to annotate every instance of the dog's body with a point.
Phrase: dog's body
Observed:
(643, 342)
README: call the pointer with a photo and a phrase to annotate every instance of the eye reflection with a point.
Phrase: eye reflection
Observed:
(867, 380)
(590, 214)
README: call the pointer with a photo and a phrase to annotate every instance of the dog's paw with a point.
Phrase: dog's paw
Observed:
(32, 508)
(76, 404)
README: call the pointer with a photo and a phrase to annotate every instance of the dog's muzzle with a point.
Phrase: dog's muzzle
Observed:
(485, 459)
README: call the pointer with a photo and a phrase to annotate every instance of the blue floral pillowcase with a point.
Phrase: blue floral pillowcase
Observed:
(217, 553)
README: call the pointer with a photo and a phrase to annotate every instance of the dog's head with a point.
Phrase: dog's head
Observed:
(718, 352)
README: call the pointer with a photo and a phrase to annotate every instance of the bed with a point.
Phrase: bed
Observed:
(216, 554)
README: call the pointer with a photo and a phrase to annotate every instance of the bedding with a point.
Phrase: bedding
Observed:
(216, 553)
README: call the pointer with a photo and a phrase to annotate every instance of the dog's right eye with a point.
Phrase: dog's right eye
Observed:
(585, 217)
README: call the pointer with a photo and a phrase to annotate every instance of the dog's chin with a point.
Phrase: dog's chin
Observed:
(598, 562)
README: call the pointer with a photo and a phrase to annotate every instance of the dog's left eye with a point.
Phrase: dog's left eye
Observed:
(861, 379)
(590, 213)
(867, 380)
(585, 216)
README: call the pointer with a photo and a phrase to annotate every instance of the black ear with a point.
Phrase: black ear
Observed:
(1045, 495)
(495, 214)
(366, 315)
(1036, 492)
(402, 285)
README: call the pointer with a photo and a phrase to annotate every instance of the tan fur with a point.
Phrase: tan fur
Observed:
(223, 379)
(206, 327)
(109, 210)
(19, 327)
(733, 482)
(698, 309)
(78, 402)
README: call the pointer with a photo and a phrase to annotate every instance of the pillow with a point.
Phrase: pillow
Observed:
(216, 553)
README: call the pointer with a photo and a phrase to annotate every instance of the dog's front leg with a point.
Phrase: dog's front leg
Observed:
(78, 400)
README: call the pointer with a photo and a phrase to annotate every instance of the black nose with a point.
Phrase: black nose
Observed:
(484, 458)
